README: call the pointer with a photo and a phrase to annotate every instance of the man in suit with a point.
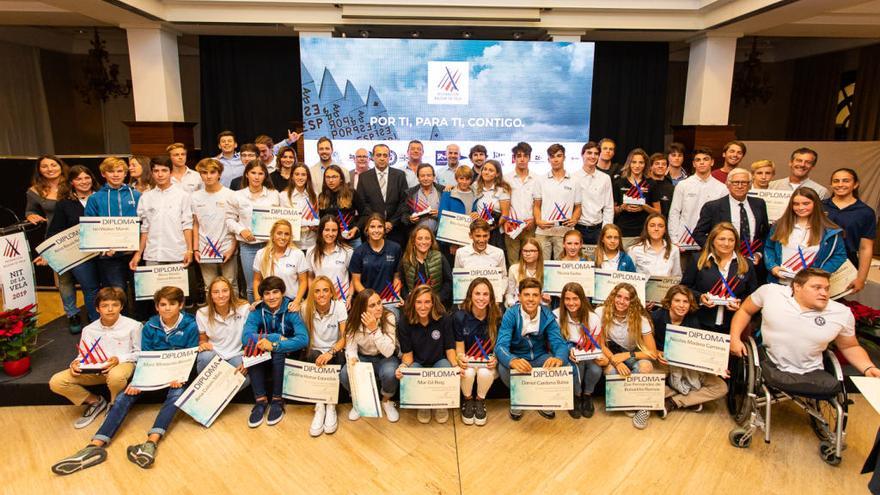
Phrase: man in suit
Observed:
(381, 190)
(748, 215)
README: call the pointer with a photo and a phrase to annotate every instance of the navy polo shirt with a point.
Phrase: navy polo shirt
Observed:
(857, 220)
(377, 268)
(427, 343)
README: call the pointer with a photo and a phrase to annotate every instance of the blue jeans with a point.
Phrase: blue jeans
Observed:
(205, 357)
(67, 291)
(123, 403)
(113, 270)
(504, 371)
(383, 367)
(274, 368)
(87, 276)
(586, 376)
(247, 253)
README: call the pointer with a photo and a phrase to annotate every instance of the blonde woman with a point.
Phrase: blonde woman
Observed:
(325, 319)
(282, 259)
(221, 323)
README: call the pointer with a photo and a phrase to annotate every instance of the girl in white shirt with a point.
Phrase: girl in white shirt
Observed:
(576, 317)
(300, 194)
(221, 321)
(258, 193)
(653, 253)
(531, 265)
(281, 259)
(325, 319)
(329, 258)
(492, 197)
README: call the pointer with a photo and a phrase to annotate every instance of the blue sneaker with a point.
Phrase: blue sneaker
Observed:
(256, 418)
(276, 412)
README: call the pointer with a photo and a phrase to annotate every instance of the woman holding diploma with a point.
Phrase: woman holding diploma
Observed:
(338, 200)
(576, 317)
(720, 278)
(803, 237)
(426, 340)
(634, 195)
(626, 335)
(258, 193)
(530, 265)
(857, 219)
(300, 194)
(654, 254)
(475, 326)
(325, 318)
(422, 263)
(67, 212)
(330, 257)
(221, 323)
(370, 337)
(281, 259)
(684, 387)
(609, 254)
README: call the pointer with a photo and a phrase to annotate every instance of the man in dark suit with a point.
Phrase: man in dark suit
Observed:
(747, 214)
(381, 190)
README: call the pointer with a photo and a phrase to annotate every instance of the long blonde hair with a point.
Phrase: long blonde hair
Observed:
(600, 248)
(311, 306)
(267, 265)
(634, 316)
(234, 301)
(582, 315)
(709, 249)
(539, 263)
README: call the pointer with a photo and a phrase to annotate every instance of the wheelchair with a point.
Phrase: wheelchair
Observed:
(752, 394)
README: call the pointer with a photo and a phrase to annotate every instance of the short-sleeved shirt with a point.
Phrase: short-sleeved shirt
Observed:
(427, 343)
(326, 328)
(490, 198)
(376, 268)
(558, 200)
(618, 332)
(859, 222)
(632, 223)
(287, 268)
(210, 211)
(795, 337)
(333, 265)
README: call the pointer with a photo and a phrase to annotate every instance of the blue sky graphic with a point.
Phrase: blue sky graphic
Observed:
(546, 85)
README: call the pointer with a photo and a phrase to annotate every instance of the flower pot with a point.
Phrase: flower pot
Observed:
(18, 367)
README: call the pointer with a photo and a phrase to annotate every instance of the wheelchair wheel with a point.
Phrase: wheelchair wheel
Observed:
(826, 429)
(743, 374)
(739, 438)
(826, 452)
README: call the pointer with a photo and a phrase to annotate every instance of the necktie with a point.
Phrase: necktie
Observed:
(744, 231)
(383, 183)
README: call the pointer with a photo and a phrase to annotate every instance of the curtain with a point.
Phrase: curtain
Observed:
(24, 114)
(813, 107)
(249, 85)
(865, 121)
(629, 95)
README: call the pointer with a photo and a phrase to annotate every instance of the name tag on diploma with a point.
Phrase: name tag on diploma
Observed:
(262, 220)
(454, 228)
(307, 382)
(462, 277)
(209, 394)
(606, 280)
(635, 392)
(629, 200)
(156, 370)
(586, 355)
(98, 234)
(149, 279)
(719, 300)
(697, 349)
(542, 389)
(429, 388)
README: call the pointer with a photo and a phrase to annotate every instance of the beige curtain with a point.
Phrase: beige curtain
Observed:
(24, 116)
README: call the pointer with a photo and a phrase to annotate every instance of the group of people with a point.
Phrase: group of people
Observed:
(368, 281)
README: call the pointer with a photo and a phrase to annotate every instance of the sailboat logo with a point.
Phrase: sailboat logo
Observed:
(448, 83)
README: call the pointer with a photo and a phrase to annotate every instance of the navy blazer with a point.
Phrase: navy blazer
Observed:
(718, 210)
(708, 280)
(370, 196)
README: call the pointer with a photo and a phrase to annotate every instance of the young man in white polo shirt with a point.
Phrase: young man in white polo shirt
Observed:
(479, 254)
(802, 323)
(557, 206)
(597, 200)
(214, 245)
(522, 196)
(689, 197)
(188, 179)
(166, 221)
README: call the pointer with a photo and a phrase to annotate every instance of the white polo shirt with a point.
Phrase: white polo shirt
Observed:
(122, 339)
(466, 257)
(224, 334)
(326, 327)
(574, 327)
(522, 196)
(210, 211)
(287, 268)
(241, 209)
(619, 333)
(190, 182)
(565, 194)
(689, 197)
(300, 201)
(795, 337)
(654, 263)
(597, 200)
(333, 265)
(164, 215)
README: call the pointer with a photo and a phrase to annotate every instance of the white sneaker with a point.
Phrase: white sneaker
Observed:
(441, 415)
(423, 415)
(353, 415)
(317, 426)
(330, 421)
(390, 411)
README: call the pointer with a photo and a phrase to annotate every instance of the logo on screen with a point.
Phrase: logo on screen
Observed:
(448, 83)
(440, 158)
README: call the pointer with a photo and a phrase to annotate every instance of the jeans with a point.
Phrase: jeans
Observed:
(383, 367)
(590, 234)
(67, 291)
(123, 403)
(87, 276)
(274, 368)
(205, 357)
(247, 253)
(586, 376)
(113, 270)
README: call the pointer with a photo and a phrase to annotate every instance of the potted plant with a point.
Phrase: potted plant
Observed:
(18, 331)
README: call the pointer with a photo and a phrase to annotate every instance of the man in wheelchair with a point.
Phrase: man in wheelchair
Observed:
(798, 324)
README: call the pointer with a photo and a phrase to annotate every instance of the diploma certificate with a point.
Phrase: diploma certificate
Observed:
(62, 250)
(697, 349)
(454, 228)
(635, 392)
(462, 277)
(559, 273)
(429, 388)
(262, 220)
(606, 280)
(307, 382)
(99, 234)
(543, 389)
(149, 279)
(157, 369)
(209, 394)
(364, 392)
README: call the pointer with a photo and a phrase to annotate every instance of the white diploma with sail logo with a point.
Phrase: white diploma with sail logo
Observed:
(559, 273)
(157, 369)
(697, 349)
(429, 388)
(606, 280)
(149, 279)
(544, 389)
(462, 277)
(206, 397)
(262, 220)
(99, 234)
(635, 392)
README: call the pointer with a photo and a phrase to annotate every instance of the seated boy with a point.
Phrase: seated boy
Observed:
(480, 254)
(112, 341)
(273, 328)
(170, 329)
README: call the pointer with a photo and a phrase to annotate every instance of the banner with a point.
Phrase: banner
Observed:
(559, 273)
(209, 394)
(544, 389)
(62, 250)
(149, 279)
(101, 234)
(606, 280)
(307, 382)
(262, 220)
(430, 388)
(657, 287)
(16, 273)
(454, 228)
(157, 369)
(462, 277)
(635, 392)
(697, 349)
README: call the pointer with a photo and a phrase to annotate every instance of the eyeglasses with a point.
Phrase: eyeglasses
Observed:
(740, 183)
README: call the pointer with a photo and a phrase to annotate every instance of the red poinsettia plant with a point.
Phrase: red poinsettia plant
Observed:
(18, 330)
(865, 316)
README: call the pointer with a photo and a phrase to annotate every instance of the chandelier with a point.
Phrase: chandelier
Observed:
(101, 76)
(750, 82)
